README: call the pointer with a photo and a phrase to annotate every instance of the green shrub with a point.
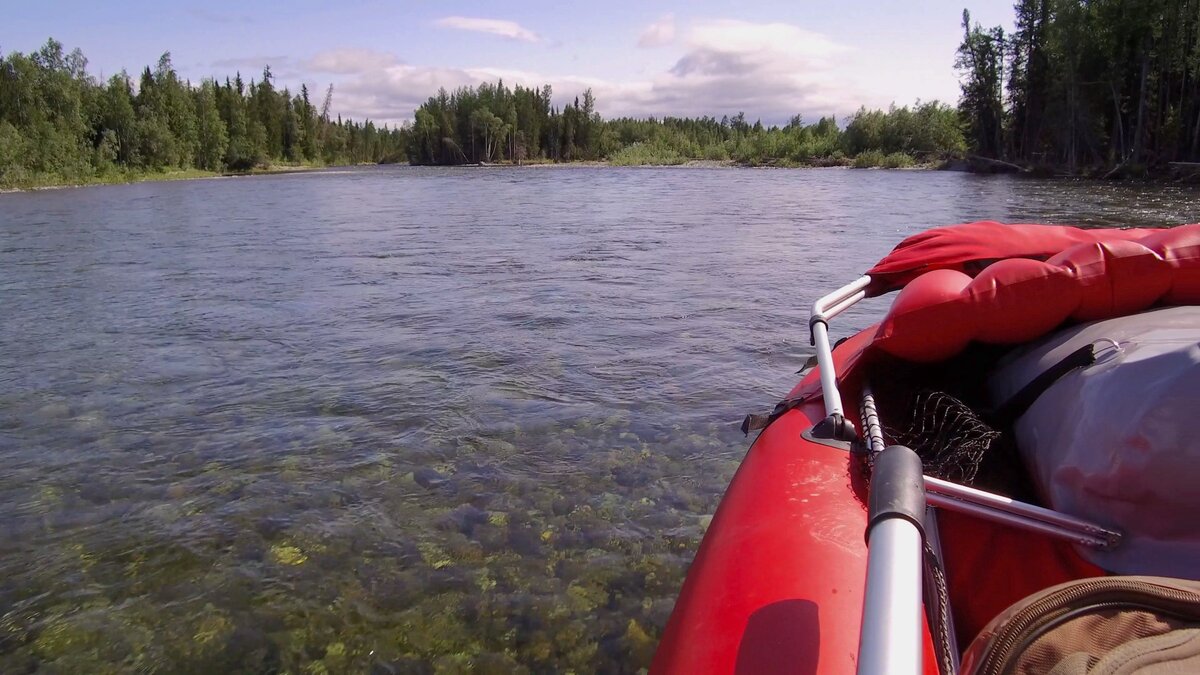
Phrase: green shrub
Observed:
(869, 159)
(645, 154)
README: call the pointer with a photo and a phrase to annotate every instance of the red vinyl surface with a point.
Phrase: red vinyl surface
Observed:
(777, 584)
(971, 246)
(1012, 301)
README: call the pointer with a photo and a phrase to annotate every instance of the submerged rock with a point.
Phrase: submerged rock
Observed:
(428, 478)
(524, 541)
(639, 647)
(464, 519)
(286, 554)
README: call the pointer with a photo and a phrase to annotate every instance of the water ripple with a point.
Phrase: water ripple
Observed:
(406, 418)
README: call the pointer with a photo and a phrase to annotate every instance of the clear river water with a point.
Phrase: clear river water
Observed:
(400, 419)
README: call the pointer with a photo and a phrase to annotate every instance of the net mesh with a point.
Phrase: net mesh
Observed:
(950, 437)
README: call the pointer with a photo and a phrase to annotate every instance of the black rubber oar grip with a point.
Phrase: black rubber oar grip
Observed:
(897, 489)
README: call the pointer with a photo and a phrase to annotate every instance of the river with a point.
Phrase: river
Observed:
(414, 420)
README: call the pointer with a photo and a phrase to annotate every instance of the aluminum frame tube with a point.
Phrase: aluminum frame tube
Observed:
(957, 497)
(830, 305)
(891, 640)
(824, 309)
(1015, 521)
(829, 387)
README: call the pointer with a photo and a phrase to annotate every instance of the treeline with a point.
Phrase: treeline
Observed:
(492, 123)
(1110, 85)
(895, 138)
(59, 124)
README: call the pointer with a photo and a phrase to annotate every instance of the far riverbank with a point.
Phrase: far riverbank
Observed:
(862, 161)
(127, 177)
(43, 182)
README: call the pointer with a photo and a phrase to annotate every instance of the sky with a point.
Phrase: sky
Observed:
(771, 59)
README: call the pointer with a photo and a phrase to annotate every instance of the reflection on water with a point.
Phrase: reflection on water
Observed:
(408, 419)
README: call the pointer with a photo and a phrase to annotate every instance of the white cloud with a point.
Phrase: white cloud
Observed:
(351, 61)
(660, 33)
(392, 94)
(769, 70)
(779, 38)
(509, 29)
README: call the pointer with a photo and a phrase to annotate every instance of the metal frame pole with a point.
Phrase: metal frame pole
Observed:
(823, 310)
(1018, 514)
(891, 638)
(990, 506)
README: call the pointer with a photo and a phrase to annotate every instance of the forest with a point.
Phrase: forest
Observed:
(1081, 87)
(1102, 87)
(492, 123)
(59, 125)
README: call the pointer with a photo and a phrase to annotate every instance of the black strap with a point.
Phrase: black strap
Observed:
(1016, 406)
(756, 422)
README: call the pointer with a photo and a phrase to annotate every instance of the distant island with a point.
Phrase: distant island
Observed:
(1078, 88)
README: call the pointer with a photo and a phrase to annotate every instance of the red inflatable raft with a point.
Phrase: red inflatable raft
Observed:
(781, 582)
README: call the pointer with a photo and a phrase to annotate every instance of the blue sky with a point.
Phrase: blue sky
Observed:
(769, 58)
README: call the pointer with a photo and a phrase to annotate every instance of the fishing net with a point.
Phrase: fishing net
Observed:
(950, 437)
